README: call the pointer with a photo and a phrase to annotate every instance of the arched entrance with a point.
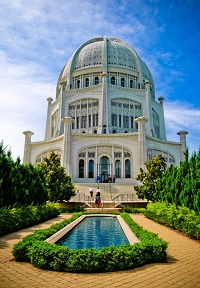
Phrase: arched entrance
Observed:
(81, 168)
(118, 169)
(91, 169)
(127, 169)
(104, 169)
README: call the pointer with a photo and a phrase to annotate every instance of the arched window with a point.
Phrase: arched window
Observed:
(81, 168)
(113, 80)
(122, 82)
(118, 169)
(127, 169)
(78, 84)
(91, 169)
(96, 80)
(131, 83)
(86, 82)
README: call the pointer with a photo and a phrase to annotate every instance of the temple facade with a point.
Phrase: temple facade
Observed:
(105, 120)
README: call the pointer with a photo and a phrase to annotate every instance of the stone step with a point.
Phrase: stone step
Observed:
(102, 209)
(108, 192)
(105, 204)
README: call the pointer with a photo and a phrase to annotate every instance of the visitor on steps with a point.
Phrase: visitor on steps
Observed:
(98, 197)
(91, 192)
(78, 194)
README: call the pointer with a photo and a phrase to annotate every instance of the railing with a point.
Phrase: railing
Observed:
(119, 199)
(79, 198)
(87, 200)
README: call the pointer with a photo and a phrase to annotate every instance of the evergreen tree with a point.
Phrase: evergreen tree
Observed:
(20, 184)
(181, 185)
(197, 184)
(34, 187)
(6, 165)
(59, 183)
(155, 168)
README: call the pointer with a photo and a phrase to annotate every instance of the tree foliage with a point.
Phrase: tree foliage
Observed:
(59, 183)
(181, 185)
(20, 184)
(149, 178)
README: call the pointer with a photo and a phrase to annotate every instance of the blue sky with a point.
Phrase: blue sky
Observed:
(38, 37)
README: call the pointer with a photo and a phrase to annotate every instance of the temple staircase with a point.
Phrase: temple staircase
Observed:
(113, 196)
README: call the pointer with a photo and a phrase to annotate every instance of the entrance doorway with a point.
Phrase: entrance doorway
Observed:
(104, 169)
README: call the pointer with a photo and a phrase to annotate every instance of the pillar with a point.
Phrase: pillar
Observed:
(26, 157)
(86, 163)
(162, 120)
(182, 134)
(148, 109)
(104, 116)
(142, 149)
(62, 106)
(67, 153)
(48, 121)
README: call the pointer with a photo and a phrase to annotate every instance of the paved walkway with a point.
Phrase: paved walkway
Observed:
(182, 269)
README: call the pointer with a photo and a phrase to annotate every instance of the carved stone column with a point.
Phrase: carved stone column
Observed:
(148, 108)
(104, 91)
(162, 120)
(182, 134)
(67, 145)
(48, 121)
(26, 157)
(142, 150)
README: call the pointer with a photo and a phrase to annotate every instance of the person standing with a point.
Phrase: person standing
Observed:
(78, 194)
(99, 191)
(91, 192)
(98, 197)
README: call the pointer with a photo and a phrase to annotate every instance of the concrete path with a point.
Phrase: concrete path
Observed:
(182, 269)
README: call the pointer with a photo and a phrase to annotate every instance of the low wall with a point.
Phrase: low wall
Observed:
(106, 204)
(71, 205)
(136, 204)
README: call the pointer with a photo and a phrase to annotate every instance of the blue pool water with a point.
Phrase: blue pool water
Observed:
(94, 232)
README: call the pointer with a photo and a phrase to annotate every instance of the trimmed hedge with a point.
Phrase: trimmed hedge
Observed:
(179, 218)
(135, 210)
(14, 219)
(35, 250)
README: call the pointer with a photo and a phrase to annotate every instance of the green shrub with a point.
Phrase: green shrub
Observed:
(128, 209)
(44, 255)
(179, 218)
(16, 218)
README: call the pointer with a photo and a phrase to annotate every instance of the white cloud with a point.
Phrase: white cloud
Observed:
(38, 38)
(23, 103)
(183, 116)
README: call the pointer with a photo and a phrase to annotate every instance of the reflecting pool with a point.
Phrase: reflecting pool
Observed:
(94, 232)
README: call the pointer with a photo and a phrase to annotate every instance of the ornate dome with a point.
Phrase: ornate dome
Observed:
(106, 53)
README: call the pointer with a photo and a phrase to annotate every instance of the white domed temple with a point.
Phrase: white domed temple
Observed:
(105, 119)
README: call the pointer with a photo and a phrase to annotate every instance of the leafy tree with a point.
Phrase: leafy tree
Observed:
(6, 164)
(181, 185)
(154, 170)
(20, 184)
(59, 183)
(34, 187)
